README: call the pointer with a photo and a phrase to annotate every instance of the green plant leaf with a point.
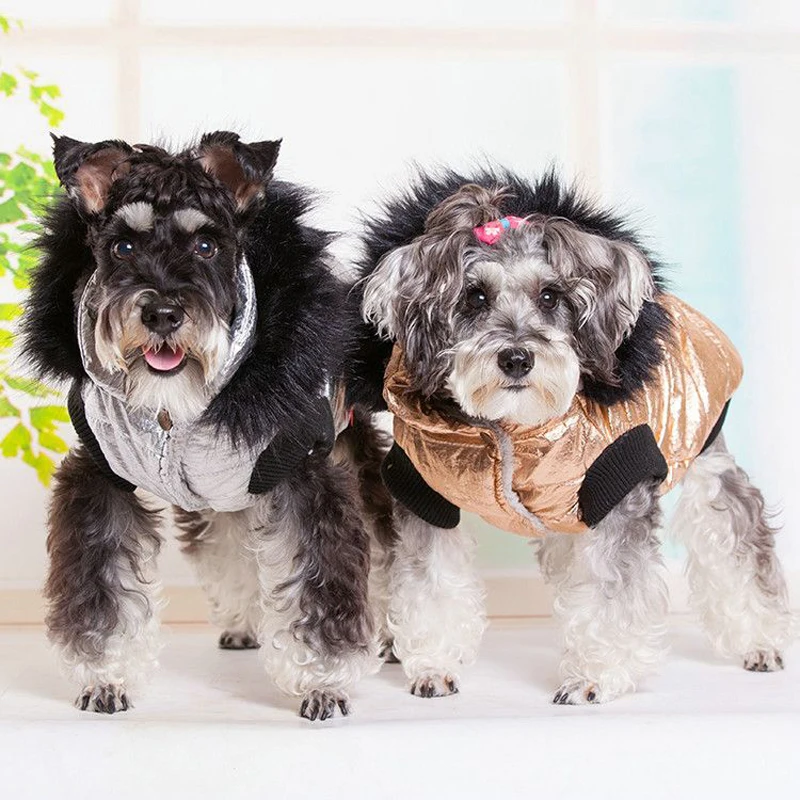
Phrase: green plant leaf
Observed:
(7, 408)
(47, 418)
(54, 116)
(21, 176)
(29, 386)
(10, 311)
(28, 259)
(27, 181)
(43, 464)
(18, 438)
(10, 211)
(8, 83)
(52, 442)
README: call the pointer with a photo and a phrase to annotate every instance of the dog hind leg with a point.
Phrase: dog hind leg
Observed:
(736, 583)
(613, 603)
(362, 447)
(436, 604)
(102, 606)
(217, 546)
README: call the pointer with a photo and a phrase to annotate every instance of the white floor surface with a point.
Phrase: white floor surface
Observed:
(211, 726)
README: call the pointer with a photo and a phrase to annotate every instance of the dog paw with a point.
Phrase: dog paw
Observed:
(103, 699)
(233, 640)
(435, 684)
(321, 705)
(578, 693)
(763, 661)
(387, 654)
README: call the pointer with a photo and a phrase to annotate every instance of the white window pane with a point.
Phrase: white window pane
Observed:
(354, 122)
(88, 85)
(414, 13)
(770, 233)
(749, 13)
(667, 11)
(40, 13)
(768, 13)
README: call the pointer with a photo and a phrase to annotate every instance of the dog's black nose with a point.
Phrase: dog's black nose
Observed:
(162, 318)
(515, 362)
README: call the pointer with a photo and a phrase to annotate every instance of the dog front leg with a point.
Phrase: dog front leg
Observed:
(317, 634)
(102, 545)
(436, 604)
(613, 603)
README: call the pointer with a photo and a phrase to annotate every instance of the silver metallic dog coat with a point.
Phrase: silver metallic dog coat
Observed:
(189, 464)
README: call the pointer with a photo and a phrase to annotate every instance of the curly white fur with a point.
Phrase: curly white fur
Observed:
(436, 607)
(613, 603)
(227, 570)
(736, 583)
(296, 668)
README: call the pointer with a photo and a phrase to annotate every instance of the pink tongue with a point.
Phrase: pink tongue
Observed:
(165, 359)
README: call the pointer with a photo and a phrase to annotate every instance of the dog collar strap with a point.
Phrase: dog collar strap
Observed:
(492, 231)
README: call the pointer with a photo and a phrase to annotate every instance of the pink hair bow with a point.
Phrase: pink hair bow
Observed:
(492, 231)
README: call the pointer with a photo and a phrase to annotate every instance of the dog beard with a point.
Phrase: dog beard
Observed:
(174, 373)
(482, 390)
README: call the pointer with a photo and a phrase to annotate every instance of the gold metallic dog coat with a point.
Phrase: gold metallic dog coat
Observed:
(568, 473)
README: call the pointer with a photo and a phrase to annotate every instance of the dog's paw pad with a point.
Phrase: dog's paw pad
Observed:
(577, 693)
(321, 705)
(103, 699)
(435, 685)
(763, 661)
(232, 640)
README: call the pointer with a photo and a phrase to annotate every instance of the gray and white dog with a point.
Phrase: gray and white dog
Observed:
(541, 376)
(200, 325)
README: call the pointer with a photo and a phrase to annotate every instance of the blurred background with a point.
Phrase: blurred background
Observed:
(682, 112)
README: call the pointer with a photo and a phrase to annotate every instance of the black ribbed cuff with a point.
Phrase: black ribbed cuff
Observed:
(409, 488)
(625, 463)
(314, 435)
(715, 431)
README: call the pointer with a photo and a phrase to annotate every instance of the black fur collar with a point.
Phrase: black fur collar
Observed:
(402, 218)
(300, 327)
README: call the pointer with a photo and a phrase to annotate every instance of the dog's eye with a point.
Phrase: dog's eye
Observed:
(477, 298)
(205, 247)
(548, 299)
(123, 248)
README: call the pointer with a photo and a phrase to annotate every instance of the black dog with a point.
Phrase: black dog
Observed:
(202, 330)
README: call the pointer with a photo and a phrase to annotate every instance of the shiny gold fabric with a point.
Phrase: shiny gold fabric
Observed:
(547, 464)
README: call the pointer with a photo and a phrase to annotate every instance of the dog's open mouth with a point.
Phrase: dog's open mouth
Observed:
(165, 359)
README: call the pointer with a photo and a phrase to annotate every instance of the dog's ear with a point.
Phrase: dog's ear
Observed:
(411, 297)
(244, 169)
(413, 293)
(87, 171)
(610, 281)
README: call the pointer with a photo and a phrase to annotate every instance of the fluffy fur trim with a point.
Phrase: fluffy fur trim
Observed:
(300, 326)
(402, 219)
